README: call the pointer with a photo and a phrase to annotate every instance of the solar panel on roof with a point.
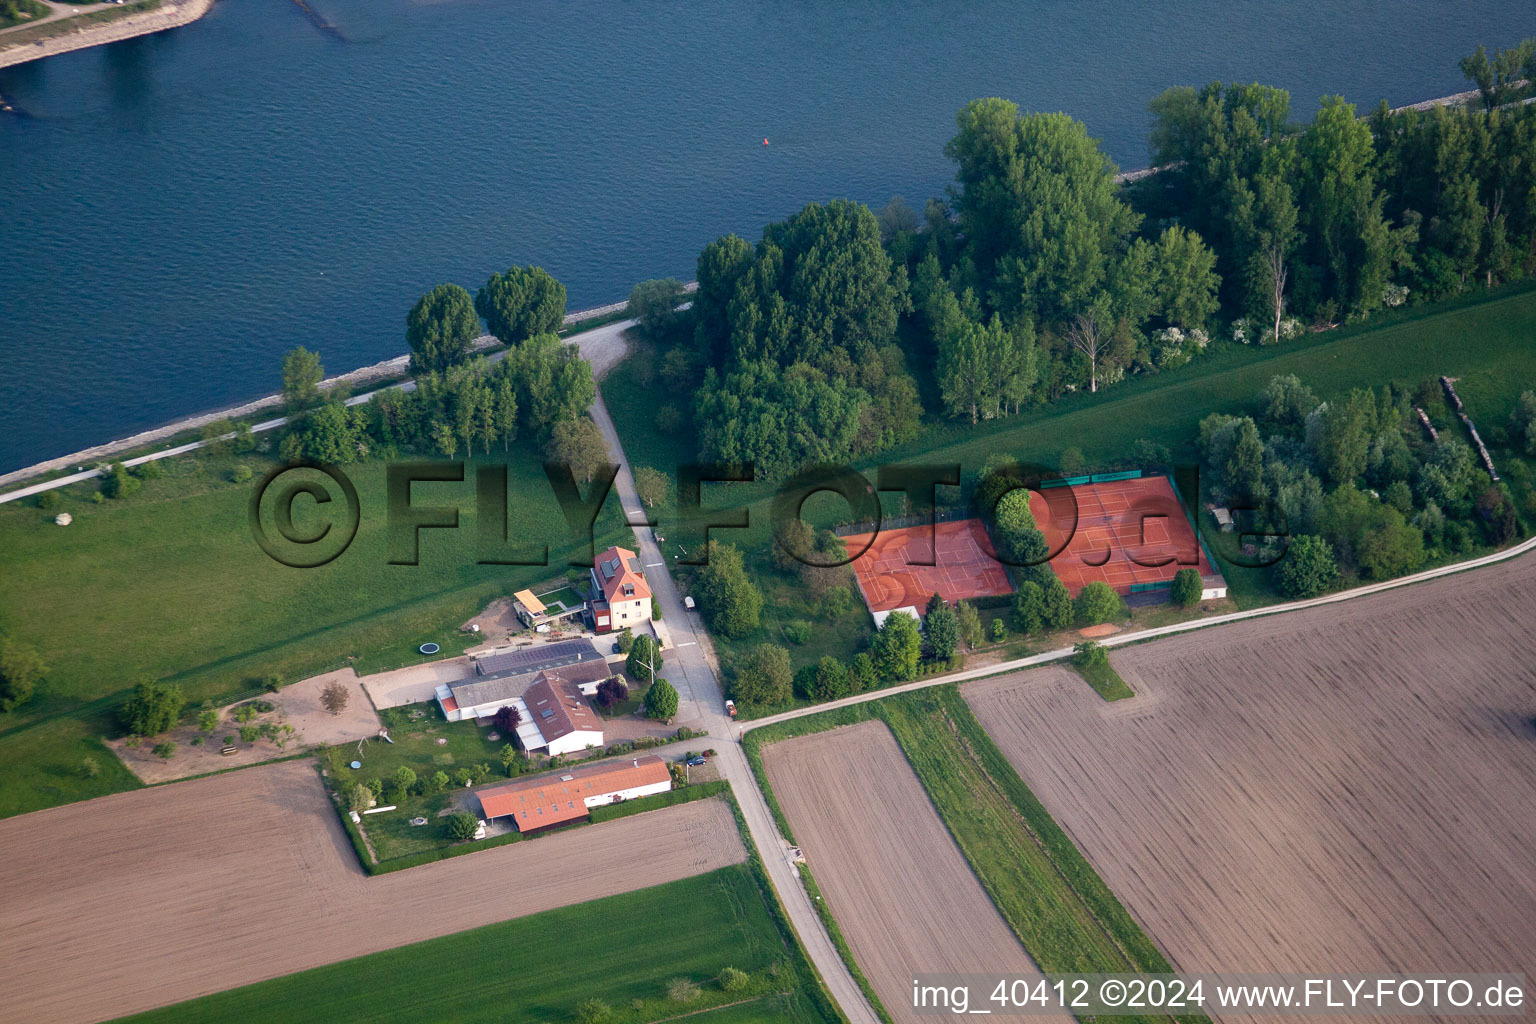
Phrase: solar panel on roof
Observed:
(547, 713)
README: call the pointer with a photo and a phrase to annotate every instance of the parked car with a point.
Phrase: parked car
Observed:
(688, 603)
(730, 708)
(695, 761)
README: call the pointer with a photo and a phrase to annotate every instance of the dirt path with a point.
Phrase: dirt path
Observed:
(1344, 789)
(119, 905)
(900, 888)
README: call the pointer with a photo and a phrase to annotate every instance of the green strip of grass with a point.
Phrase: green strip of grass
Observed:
(622, 950)
(1106, 682)
(1062, 912)
(74, 23)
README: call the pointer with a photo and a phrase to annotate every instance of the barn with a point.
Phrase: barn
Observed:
(549, 801)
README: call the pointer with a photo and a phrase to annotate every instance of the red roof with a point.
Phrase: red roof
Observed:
(547, 800)
(619, 572)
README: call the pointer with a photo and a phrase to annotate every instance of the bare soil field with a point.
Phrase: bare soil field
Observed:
(1345, 789)
(134, 901)
(899, 887)
(297, 705)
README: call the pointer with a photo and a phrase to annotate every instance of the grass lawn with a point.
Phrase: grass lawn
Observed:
(622, 950)
(169, 583)
(565, 596)
(64, 26)
(27, 10)
(1062, 912)
(1483, 340)
(1106, 682)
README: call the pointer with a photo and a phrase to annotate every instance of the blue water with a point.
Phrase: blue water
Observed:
(180, 209)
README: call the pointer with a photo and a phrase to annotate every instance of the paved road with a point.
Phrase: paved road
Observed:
(691, 668)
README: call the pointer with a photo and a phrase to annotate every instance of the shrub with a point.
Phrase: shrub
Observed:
(592, 1011)
(117, 482)
(334, 698)
(250, 733)
(1089, 654)
(610, 692)
(797, 633)
(763, 679)
(240, 474)
(462, 825)
(272, 684)
(1308, 568)
(1097, 603)
(682, 990)
(655, 609)
(229, 740)
(153, 708)
(166, 750)
(196, 741)
(1187, 587)
(151, 470)
(49, 500)
(208, 721)
(89, 768)
(359, 798)
(999, 631)
(626, 640)
(733, 980)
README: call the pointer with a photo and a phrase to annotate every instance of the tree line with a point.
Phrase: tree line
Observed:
(1038, 274)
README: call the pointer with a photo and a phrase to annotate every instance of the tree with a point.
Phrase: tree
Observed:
(764, 677)
(1272, 236)
(1019, 539)
(999, 631)
(506, 720)
(654, 304)
(440, 328)
(152, 708)
(644, 659)
(1308, 567)
(1287, 400)
(1522, 422)
(832, 680)
(20, 670)
(504, 410)
(1097, 603)
(521, 303)
(118, 482)
(1187, 588)
(661, 701)
(1028, 614)
(553, 382)
(359, 798)
(897, 647)
(626, 641)
(1058, 605)
(302, 374)
(1497, 78)
(208, 722)
(943, 626)
(652, 486)
(1089, 654)
(1186, 281)
(611, 692)
(733, 980)
(862, 674)
(165, 750)
(730, 600)
(403, 779)
(1089, 333)
(970, 624)
(334, 698)
(462, 826)
(578, 443)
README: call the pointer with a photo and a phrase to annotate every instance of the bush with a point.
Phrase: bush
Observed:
(764, 677)
(682, 990)
(20, 669)
(152, 709)
(733, 980)
(644, 657)
(166, 750)
(89, 768)
(48, 501)
(240, 474)
(592, 1011)
(797, 633)
(250, 733)
(1187, 587)
(1097, 603)
(611, 692)
(1308, 568)
(462, 825)
(999, 631)
(151, 470)
(626, 640)
(118, 482)
(196, 741)
(1089, 654)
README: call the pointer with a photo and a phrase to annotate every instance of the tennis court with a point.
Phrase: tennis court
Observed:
(963, 566)
(1120, 530)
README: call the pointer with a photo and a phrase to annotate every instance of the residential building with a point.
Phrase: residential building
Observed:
(505, 675)
(620, 598)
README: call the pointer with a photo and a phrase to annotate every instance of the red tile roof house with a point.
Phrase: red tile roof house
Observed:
(620, 595)
(556, 719)
(549, 801)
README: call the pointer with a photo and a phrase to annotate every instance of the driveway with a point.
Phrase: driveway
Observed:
(415, 683)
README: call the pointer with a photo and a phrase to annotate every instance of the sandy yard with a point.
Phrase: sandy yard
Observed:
(121, 904)
(1345, 789)
(297, 705)
(899, 887)
(414, 683)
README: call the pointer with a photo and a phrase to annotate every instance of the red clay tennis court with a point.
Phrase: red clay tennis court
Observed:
(1117, 520)
(964, 566)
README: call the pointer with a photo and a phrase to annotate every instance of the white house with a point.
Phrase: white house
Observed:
(620, 595)
(505, 675)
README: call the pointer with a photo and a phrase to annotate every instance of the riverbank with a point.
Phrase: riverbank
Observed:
(95, 27)
(376, 375)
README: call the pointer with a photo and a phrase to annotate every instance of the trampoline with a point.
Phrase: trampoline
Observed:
(429, 648)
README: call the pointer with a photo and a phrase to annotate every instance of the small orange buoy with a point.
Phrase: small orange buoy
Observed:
(765, 142)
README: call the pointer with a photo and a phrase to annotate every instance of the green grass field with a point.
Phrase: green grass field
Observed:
(1106, 682)
(622, 950)
(169, 583)
(1049, 894)
(1482, 340)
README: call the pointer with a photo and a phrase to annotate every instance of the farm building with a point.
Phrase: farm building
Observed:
(620, 595)
(548, 801)
(556, 719)
(501, 677)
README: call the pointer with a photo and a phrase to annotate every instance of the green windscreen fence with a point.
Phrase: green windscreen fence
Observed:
(1104, 478)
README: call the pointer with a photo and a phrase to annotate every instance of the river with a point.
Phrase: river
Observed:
(181, 209)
